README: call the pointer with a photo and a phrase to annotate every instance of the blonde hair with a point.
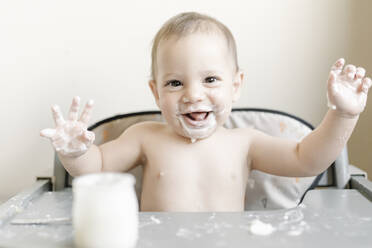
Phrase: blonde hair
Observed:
(188, 23)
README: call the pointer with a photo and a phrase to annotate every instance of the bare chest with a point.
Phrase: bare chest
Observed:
(207, 175)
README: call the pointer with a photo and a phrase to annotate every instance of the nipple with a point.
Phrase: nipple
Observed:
(161, 174)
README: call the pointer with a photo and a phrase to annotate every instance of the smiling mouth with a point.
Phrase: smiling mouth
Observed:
(197, 116)
(196, 119)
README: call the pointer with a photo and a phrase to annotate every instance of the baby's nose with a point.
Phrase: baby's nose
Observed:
(193, 94)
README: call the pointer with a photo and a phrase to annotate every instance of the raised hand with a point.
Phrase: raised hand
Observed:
(71, 137)
(347, 89)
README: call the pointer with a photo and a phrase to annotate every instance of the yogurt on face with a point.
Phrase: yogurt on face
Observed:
(199, 130)
(198, 122)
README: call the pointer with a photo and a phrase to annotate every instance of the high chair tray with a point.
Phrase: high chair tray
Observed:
(338, 218)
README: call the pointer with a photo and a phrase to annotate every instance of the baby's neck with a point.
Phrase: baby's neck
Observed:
(195, 140)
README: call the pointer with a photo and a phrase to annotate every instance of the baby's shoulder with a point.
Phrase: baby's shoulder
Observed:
(241, 131)
(141, 131)
(146, 126)
(238, 135)
(246, 134)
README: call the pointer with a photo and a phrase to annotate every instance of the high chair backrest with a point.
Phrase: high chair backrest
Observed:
(264, 191)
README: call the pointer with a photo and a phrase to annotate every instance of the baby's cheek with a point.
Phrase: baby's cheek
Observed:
(168, 109)
(220, 100)
(217, 95)
(164, 103)
(222, 116)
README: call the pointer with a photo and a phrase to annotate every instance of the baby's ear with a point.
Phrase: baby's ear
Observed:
(237, 85)
(154, 90)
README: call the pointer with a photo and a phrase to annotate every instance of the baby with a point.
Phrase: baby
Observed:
(191, 162)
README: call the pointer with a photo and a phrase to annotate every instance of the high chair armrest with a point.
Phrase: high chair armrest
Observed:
(355, 171)
(363, 185)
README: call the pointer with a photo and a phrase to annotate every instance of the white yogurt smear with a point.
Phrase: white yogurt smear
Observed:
(205, 127)
(260, 228)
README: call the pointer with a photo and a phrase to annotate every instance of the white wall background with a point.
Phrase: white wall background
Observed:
(360, 143)
(52, 50)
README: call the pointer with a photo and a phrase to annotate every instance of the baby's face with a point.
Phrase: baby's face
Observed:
(196, 83)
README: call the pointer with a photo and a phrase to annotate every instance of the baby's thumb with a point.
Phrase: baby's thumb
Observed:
(47, 133)
(89, 137)
(331, 83)
(365, 85)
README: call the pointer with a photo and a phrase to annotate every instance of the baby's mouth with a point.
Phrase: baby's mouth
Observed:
(197, 116)
(196, 119)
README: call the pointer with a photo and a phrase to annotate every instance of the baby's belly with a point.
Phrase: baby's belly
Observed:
(176, 191)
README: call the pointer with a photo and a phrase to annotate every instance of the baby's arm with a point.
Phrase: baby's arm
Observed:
(76, 151)
(347, 94)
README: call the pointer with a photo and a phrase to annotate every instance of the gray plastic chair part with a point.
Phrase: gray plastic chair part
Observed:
(341, 170)
(60, 174)
(338, 175)
(327, 179)
(355, 171)
(363, 185)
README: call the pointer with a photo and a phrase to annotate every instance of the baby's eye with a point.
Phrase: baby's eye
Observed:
(173, 83)
(210, 79)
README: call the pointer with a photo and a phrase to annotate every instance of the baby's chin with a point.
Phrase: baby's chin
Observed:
(195, 136)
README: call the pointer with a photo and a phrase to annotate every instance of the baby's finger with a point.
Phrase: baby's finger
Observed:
(337, 67)
(74, 109)
(350, 71)
(360, 72)
(48, 133)
(85, 116)
(57, 115)
(366, 84)
(89, 137)
(331, 83)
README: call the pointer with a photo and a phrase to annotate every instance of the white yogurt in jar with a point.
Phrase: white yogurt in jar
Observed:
(105, 210)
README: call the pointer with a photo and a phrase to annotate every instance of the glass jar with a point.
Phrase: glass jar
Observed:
(105, 210)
